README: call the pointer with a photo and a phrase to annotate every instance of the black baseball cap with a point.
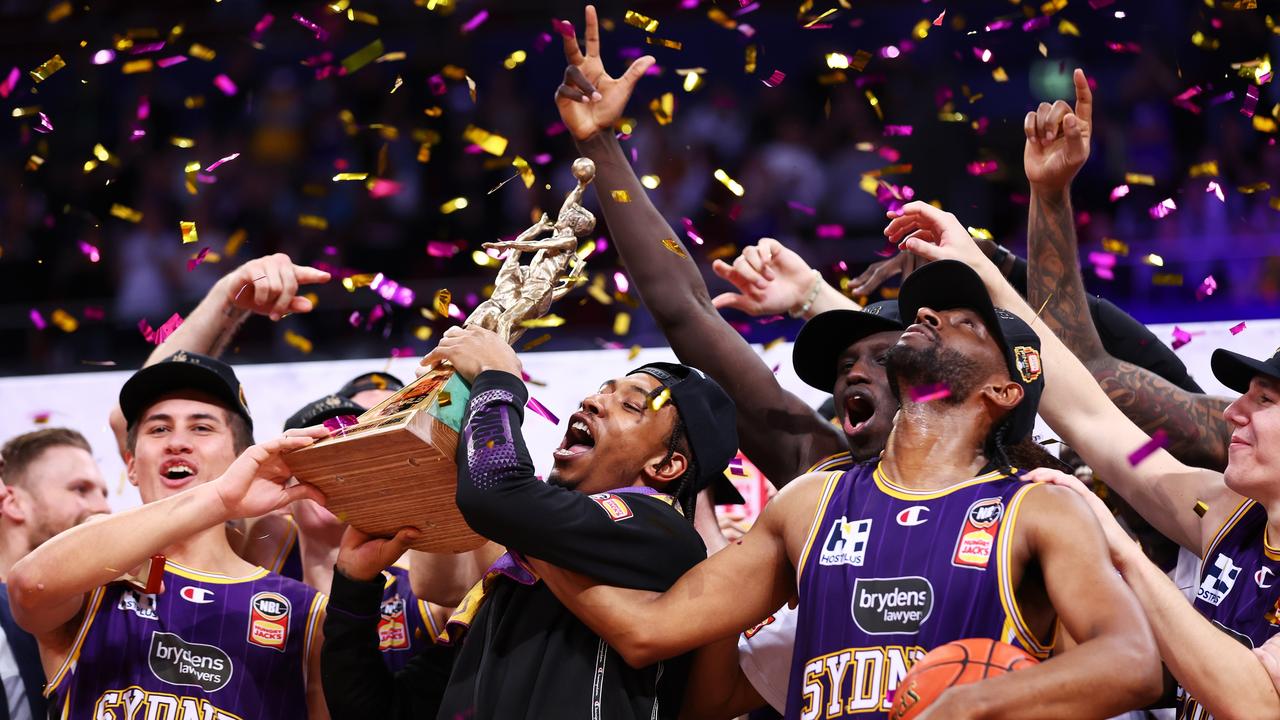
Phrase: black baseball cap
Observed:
(183, 370)
(710, 423)
(1236, 371)
(317, 411)
(370, 381)
(828, 334)
(950, 284)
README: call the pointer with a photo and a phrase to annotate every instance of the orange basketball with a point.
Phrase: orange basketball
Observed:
(956, 663)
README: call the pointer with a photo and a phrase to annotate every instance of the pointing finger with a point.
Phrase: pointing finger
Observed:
(1084, 96)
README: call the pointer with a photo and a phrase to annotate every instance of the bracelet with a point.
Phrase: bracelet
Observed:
(813, 295)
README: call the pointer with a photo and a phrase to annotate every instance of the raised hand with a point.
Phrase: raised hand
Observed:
(471, 350)
(933, 234)
(1058, 138)
(770, 279)
(1122, 546)
(256, 483)
(269, 286)
(363, 557)
(589, 99)
(878, 273)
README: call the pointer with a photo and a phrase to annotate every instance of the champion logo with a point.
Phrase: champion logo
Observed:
(914, 515)
(197, 595)
(1261, 576)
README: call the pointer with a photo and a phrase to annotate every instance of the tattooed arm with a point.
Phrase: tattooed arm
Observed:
(1057, 146)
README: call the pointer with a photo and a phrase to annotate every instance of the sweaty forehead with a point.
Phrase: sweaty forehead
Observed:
(639, 382)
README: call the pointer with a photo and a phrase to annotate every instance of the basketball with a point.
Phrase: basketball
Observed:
(957, 663)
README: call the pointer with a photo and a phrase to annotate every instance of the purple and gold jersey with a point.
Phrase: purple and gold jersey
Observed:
(888, 574)
(209, 647)
(405, 624)
(1239, 589)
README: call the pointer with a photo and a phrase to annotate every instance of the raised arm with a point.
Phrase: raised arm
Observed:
(1057, 147)
(1161, 489)
(778, 431)
(266, 286)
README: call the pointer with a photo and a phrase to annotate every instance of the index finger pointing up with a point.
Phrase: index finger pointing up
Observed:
(592, 33)
(1084, 97)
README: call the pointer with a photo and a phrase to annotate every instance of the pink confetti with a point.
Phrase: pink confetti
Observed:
(1207, 288)
(436, 83)
(337, 425)
(381, 188)
(45, 124)
(897, 130)
(982, 54)
(1237, 329)
(1180, 337)
(355, 318)
(90, 251)
(262, 25)
(164, 331)
(94, 313)
(830, 231)
(1250, 101)
(441, 249)
(171, 61)
(937, 22)
(102, 57)
(541, 409)
(1034, 24)
(321, 33)
(999, 25)
(746, 7)
(391, 290)
(403, 352)
(1118, 192)
(801, 207)
(9, 83)
(564, 27)
(475, 21)
(218, 163)
(37, 319)
(775, 79)
(199, 258)
(1216, 189)
(1183, 100)
(1099, 4)
(620, 281)
(1162, 208)
(225, 84)
(146, 48)
(982, 167)
(1158, 440)
(929, 393)
(690, 231)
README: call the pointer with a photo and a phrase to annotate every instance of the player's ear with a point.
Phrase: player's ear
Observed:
(130, 467)
(1003, 396)
(658, 473)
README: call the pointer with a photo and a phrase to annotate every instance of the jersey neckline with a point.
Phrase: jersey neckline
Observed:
(888, 487)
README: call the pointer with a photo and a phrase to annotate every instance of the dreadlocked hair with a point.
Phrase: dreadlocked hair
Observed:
(998, 448)
(682, 488)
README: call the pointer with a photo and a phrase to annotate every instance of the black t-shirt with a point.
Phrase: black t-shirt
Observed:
(525, 655)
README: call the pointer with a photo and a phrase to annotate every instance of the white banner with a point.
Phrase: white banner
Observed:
(275, 391)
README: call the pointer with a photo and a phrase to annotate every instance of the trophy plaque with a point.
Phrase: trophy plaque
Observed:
(395, 465)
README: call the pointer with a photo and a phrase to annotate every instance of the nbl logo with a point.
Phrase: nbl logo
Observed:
(846, 543)
(1218, 580)
(269, 620)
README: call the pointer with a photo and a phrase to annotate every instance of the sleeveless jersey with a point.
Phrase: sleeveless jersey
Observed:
(209, 647)
(1239, 589)
(287, 560)
(888, 574)
(405, 624)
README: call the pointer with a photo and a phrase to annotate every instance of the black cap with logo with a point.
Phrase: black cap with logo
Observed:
(710, 423)
(1236, 371)
(183, 371)
(828, 334)
(950, 284)
(370, 381)
(317, 411)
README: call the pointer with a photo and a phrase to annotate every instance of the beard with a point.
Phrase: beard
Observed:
(914, 367)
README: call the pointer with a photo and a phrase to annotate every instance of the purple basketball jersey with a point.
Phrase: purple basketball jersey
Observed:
(405, 624)
(208, 648)
(888, 574)
(1239, 589)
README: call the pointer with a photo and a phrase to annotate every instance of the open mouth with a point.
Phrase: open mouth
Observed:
(579, 439)
(858, 411)
(176, 473)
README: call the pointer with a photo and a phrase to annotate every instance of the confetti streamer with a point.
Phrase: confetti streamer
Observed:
(441, 301)
(476, 21)
(536, 341)
(90, 251)
(546, 321)
(830, 231)
(10, 82)
(542, 410)
(1139, 179)
(37, 319)
(47, 68)
(662, 398)
(1118, 192)
(904, 130)
(225, 84)
(643, 22)
(337, 425)
(1180, 337)
(362, 57)
(491, 143)
(1237, 329)
(219, 163)
(321, 34)
(392, 291)
(982, 167)
(1200, 508)
(663, 42)
(199, 258)
(1162, 209)
(663, 108)
(315, 222)
(188, 232)
(1158, 440)
(733, 185)
(929, 393)
(1207, 287)
(295, 340)
(1216, 189)
(775, 79)
(621, 323)
(674, 247)
(65, 322)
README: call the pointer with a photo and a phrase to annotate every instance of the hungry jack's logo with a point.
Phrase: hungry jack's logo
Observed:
(269, 620)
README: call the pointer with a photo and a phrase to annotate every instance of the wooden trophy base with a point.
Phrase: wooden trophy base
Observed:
(395, 468)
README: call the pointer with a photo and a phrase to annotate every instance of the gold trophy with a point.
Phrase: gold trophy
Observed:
(395, 467)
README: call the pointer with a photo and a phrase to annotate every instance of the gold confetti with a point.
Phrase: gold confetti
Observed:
(774, 343)
(1205, 169)
(423, 333)
(25, 111)
(193, 102)
(634, 352)
(673, 44)
(663, 108)
(1274, 203)
(692, 81)
(673, 246)
(471, 88)
(1066, 27)
(749, 65)
(536, 341)
(1167, 279)
(190, 167)
(182, 142)
(1254, 188)
(235, 241)
(718, 16)
(597, 291)
(875, 103)
(295, 340)
(458, 203)
(137, 66)
(491, 143)
(125, 212)
(484, 259)
(1200, 508)
(1153, 259)
(526, 172)
(999, 75)
(444, 399)
(1137, 179)
(363, 56)
(514, 60)
(729, 182)
(353, 282)
(440, 303)
(643, 22)
(650, 181)
(722, 252)
(662, 398)
(315, 222)
(1044, 51)
(546, 321)
(622, 323)
(47, 68)
(860, 60)
(34, 162)
(362, 17)
(188, 232)
(1262, 123)
(59, 12)
(980, 233)
(65, 322)
(620, 196)
(200, 52)
(350, 176)
(398, 83)
(1115, 247)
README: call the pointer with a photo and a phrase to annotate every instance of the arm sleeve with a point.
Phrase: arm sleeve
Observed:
(357, 683)
(625, 539)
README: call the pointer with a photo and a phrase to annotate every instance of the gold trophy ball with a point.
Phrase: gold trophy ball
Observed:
(584, 169)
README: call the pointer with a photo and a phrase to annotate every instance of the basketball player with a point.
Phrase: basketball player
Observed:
(937, 541)
(225, 638)
(1224, 518)
(618, 504)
